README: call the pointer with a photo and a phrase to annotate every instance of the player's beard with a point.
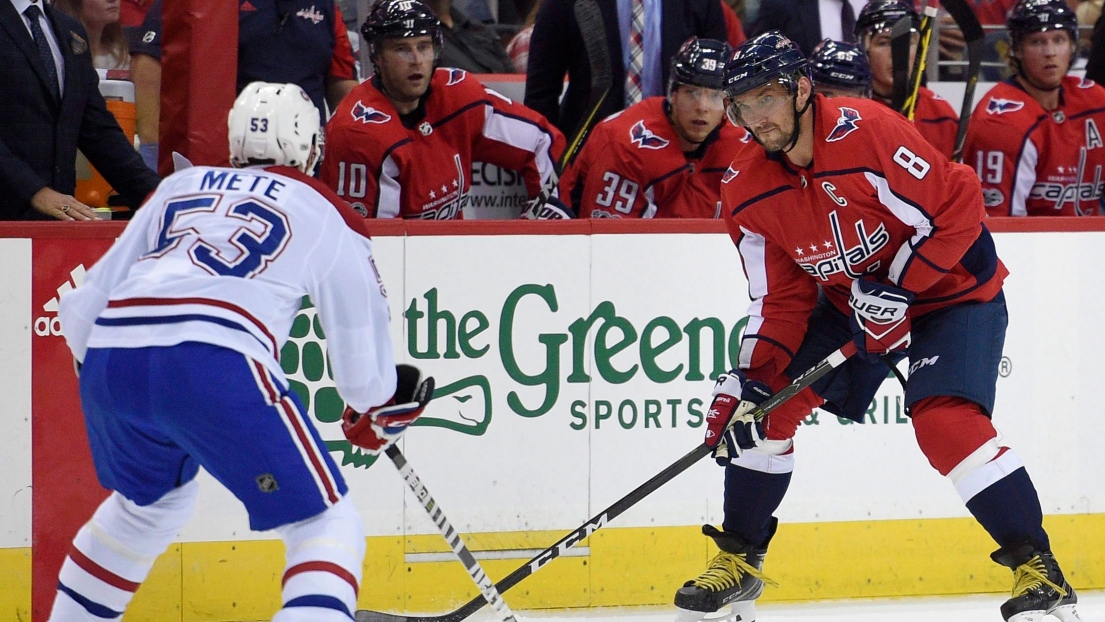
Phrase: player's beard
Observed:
(776, 137)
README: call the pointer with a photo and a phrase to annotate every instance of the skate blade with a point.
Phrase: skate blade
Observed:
(744, 611)
(1066, 613)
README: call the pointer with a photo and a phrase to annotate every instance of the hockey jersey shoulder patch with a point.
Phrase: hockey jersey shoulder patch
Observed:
(845, 125)
(998, 105)
(730, 174)
(455, 76)
(368, 114)
(645, 138)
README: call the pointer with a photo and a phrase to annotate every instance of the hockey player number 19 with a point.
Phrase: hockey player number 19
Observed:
(915, 164)
(989, 165)
(626, 189)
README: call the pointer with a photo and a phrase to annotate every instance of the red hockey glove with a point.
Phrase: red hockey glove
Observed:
(730, 427)
(378, 428)
(880, 318)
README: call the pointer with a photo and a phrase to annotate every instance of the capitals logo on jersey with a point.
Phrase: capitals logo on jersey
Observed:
(730, 175)
(644, 138)
(829, 257)
(845, 125)
(455, 76)
(369, 114)
(996, 105)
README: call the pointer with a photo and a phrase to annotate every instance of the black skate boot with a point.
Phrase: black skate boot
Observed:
(1039, 587)
(733, 576)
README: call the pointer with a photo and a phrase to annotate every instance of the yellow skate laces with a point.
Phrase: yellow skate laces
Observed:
(1030, 575)
(726, 570)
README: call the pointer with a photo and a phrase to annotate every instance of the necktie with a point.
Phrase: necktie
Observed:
(33, 13)
(848, 22)
(636, 53)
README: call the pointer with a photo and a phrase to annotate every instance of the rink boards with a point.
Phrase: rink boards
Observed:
(573, 362)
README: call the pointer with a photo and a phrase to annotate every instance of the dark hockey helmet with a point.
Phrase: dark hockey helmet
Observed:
(880, 15)
(1030, 16)
(400, 19)
(839, 64)
(700, 62)
(765, 58)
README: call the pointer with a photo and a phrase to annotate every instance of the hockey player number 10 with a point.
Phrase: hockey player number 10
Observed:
(625, 188)
(915, 164)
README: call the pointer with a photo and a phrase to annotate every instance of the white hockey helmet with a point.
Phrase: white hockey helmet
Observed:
(275, 124)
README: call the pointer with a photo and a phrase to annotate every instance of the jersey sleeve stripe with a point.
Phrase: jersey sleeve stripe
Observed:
(456, 113)
(390, 194)
(522, 133)
(760, 197)
(190, 304)
(1024, 177)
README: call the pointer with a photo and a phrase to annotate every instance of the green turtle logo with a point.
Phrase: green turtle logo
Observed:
(463, 406)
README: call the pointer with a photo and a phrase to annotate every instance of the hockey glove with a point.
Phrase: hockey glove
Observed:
(730, 427)
(550, 209)
(880, 318)
(375, 430)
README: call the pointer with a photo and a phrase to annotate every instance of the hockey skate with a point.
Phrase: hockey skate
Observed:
(1039, 588)
(734, 577)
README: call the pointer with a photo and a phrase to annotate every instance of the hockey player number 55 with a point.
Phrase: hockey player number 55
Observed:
(626, 189)
(243, 253)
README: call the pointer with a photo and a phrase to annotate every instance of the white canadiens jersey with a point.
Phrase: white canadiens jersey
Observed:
(224, 256)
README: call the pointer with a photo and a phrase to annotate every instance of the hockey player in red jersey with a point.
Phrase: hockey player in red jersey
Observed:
(934, 117)
(851, 227)
(840, 69)
(402, 143)
(665, 156)
(1035, 140)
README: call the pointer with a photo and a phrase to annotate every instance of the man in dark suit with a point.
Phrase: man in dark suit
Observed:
(52, 106)
(556, 48)
(807, 22)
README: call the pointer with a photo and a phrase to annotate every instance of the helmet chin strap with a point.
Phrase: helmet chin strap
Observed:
(797, 122)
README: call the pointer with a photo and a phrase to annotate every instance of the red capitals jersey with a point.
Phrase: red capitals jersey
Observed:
(936, 120)
(877, 200)
(632, 167)
(386, 169)
(1038, 163)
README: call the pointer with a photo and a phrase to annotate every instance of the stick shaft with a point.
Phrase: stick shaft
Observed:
(487, 588)
(829, 363)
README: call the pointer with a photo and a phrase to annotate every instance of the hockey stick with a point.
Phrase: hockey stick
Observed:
(901, 38)
(919, 62)
(968, 22)
(487, 588)
(829, 363)
(591, 28)
(593, 31)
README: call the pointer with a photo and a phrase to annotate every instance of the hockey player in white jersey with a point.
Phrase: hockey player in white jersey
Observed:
(176, 333)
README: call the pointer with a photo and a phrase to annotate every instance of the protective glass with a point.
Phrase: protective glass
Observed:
(708, 98)
(749, 109)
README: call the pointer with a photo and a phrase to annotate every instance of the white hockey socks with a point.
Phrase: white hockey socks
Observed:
(112, 554)
(325, 555)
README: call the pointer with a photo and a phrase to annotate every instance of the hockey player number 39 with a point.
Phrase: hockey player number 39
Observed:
(915, 164)
(626, 189)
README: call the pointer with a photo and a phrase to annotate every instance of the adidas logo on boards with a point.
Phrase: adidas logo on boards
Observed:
(45, 325)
